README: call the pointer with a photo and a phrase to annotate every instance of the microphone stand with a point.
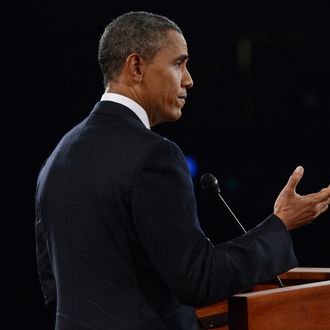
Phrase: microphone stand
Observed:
(280, 283)
(210, 182)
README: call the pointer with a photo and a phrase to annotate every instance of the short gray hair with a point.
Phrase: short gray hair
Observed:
(134, 32)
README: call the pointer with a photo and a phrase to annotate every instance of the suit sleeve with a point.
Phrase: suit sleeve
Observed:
(198, 272)
(45, 272)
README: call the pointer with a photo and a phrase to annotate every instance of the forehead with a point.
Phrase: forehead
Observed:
(175, 45)
(176, 39)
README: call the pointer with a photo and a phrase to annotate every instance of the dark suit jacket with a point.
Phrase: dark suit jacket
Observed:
(119, 244)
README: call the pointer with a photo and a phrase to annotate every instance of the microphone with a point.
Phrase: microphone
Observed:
(210, 182)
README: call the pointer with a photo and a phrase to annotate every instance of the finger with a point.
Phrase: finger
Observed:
(324, 194)
(295, 178)
(322, 210)
(326, 187)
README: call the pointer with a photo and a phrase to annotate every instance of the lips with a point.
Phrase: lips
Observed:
(184, 97)
(182, 100)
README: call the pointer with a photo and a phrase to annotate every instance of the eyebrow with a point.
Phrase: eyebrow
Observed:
(182, 57)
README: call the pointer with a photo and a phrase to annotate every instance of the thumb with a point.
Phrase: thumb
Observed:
(295, 178)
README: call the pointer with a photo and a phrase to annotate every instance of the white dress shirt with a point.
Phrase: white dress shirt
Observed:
(129, 103)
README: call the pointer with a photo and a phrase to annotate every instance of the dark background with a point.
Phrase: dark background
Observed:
(260, 106)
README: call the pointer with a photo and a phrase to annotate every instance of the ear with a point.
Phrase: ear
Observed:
(134, 66)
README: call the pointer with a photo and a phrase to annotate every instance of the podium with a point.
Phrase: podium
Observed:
(303, 303)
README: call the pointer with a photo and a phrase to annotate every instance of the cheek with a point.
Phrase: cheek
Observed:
(167, 88)
(173, 86)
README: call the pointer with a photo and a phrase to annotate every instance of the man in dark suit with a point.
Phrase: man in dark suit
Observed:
(119, 244)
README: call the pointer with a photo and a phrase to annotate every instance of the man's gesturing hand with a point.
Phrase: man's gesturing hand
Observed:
(296, 210)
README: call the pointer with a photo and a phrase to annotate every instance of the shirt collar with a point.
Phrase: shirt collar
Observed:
(129, 103)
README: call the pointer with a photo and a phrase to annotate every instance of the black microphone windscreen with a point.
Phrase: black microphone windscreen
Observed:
(210, 182)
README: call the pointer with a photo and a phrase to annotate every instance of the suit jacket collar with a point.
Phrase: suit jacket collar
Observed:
(114, 109)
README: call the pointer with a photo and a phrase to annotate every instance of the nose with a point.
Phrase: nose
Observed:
(187, 81)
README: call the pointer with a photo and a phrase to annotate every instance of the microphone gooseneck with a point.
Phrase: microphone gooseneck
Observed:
(210, 182)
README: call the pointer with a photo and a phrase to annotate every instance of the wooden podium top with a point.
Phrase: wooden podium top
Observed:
(307, 274)
(308, 298)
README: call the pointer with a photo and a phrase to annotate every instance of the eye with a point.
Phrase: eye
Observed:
(178, 64)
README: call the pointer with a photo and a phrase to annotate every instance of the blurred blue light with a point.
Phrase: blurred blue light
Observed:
(192, 165)
(232, 184)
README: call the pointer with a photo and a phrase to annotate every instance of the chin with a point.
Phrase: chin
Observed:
(177, 115)
(169, 117)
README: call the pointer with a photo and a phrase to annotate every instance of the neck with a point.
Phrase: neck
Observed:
(131, 92)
